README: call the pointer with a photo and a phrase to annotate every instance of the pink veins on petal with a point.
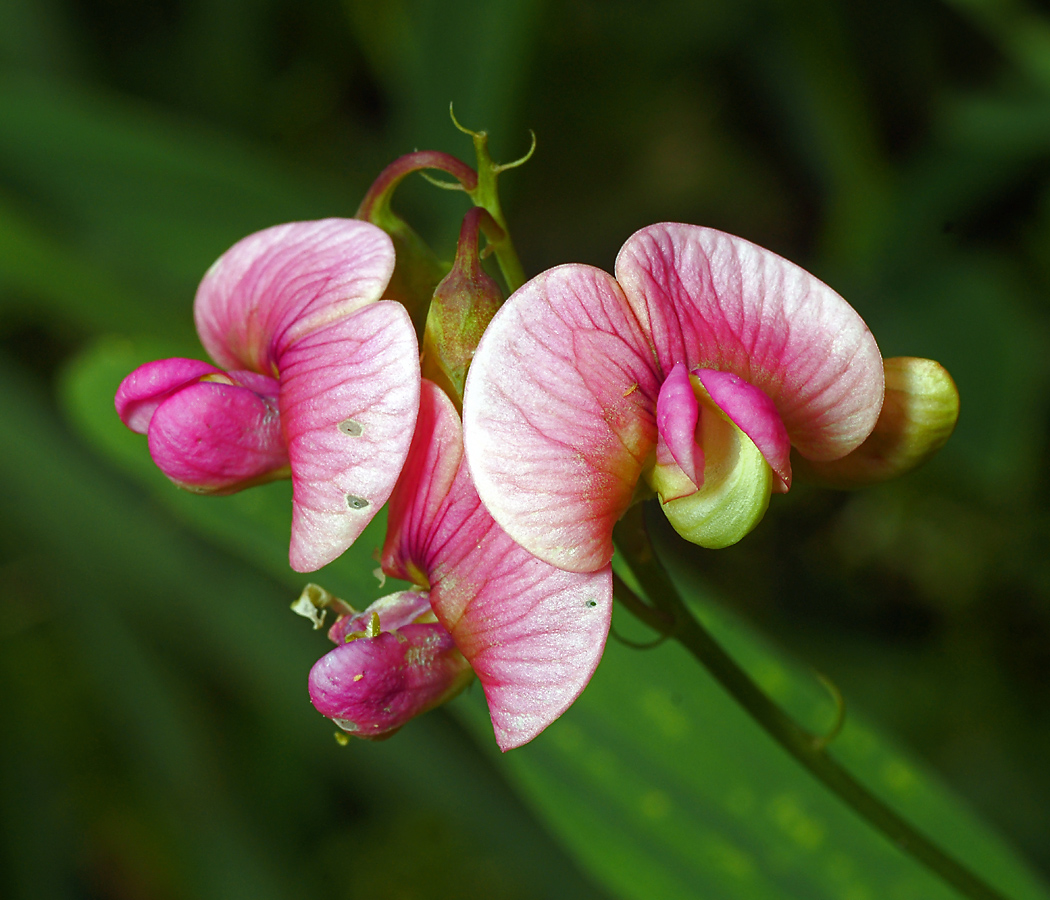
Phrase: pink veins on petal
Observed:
(719, 302)
(323, 381)
(582, 382)
(532, 633)
(559, 414)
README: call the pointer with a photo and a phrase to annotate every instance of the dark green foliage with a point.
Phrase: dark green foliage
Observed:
(157, 740)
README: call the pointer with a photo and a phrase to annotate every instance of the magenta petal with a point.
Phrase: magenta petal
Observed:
(294, 313)
(394, 611)
(677, 413)
(423, 487)
(559, 415)
(715, 301)
(141, 392)
(281, 283)
(214, 437)
(754, 414)
(264, 385)
(533, 633)
(373, 686)
(349, 398)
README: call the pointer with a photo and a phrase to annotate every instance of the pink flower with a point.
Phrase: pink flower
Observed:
(532, 633)
(692, 374)
(322, 381)
(391, 663)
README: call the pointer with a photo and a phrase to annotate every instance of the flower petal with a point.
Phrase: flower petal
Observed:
(533, 633)
(215, 437)
(677, 415)
(752, 412)
(559, 415)
(714, 301)
(394, 611)
(281, 283)
(373, 686)
(423, 487)
(141, 392)
(349, 399)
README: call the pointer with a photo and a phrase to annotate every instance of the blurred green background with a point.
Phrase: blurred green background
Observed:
(156, 737)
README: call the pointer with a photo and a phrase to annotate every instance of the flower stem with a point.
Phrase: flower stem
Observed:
(485, 195)
(375, 207)
(671, 613)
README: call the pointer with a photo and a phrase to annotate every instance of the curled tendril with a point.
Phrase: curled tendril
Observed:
(503, 167)
(637, 645)
(820, 742)
(444, 185)
(497, 168)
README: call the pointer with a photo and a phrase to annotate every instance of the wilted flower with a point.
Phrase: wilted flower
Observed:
(392, 662)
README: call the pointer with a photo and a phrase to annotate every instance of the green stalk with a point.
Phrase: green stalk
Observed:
(672, 617)
(486, 196)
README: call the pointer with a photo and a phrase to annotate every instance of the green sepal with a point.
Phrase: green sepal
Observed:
(919, 412)
(462, 307)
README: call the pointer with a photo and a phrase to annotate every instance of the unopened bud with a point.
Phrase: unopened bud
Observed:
(918, 415)
(463, 305)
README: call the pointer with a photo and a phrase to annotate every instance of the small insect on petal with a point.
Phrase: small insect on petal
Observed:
(355, 502)
(351, 428)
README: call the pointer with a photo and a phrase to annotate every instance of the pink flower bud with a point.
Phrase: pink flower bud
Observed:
(372, 684)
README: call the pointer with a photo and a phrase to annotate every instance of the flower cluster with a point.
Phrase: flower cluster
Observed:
(705, 372)
(532, 633)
